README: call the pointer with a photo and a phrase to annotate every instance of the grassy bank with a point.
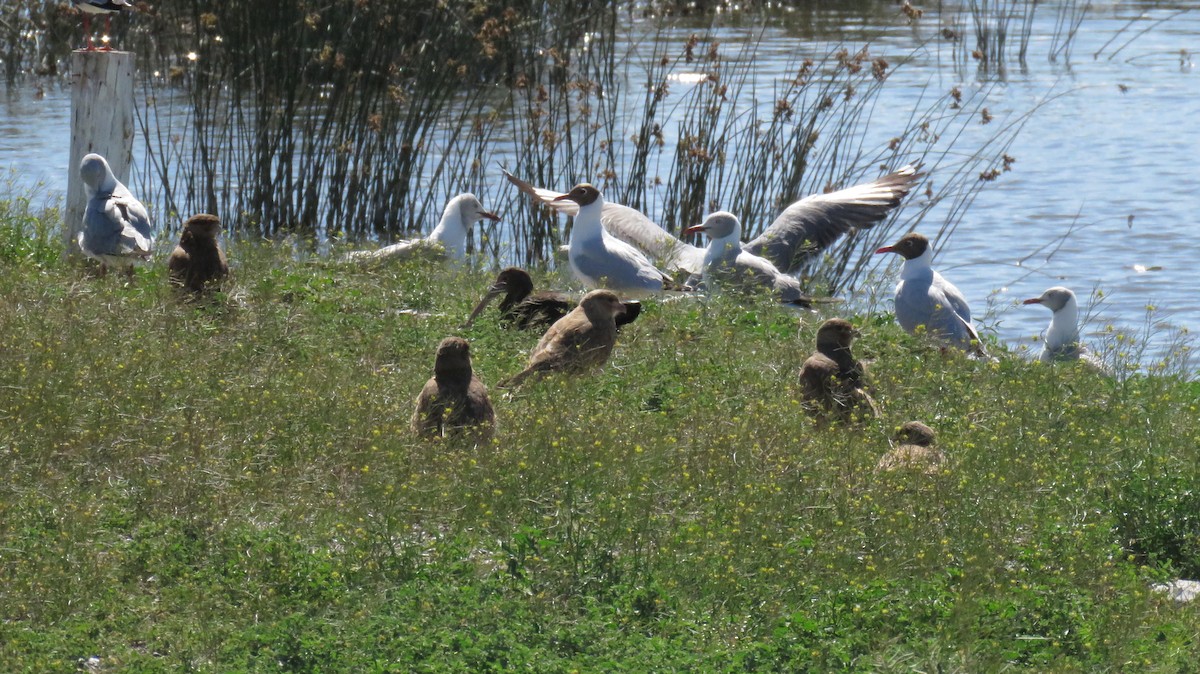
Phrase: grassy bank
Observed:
(234, 488)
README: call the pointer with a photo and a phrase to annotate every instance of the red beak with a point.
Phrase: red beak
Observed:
(563, 197)
(491, 216)
(885, 249)
(694, 228)
(1033, 300)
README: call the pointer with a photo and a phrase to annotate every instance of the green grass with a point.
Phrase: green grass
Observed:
(234, 488)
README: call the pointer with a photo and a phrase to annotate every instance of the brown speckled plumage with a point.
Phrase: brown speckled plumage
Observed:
(454, 400)
(832, 382)
(198, 263)
(914, 451)
(581, 340)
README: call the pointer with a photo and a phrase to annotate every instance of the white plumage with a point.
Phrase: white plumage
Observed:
(599, 259)
(116, 226)
(449, 238)
(925, 298)
(726, 263)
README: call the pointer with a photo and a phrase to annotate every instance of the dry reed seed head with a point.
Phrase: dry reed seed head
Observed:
(913, 13)
(689, 49)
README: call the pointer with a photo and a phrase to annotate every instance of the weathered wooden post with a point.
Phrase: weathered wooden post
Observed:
(101, 122)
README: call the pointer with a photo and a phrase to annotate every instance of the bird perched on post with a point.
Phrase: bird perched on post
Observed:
(580, 340)
(924, 298)
(448, 239)
(116, 226)
(454, 400)
(832, 381)
(198, 262)
(914, 450)
(105, 7)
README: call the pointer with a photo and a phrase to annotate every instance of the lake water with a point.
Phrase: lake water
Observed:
(1104, 194)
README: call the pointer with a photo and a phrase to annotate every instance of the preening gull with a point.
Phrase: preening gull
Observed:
(116, 226)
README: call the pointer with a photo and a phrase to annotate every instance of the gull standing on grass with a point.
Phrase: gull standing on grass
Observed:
(448, 239)
(116, 226)
(1060, 341)
(601, 260)
(796, 237)
(924, 298)
(727, 264)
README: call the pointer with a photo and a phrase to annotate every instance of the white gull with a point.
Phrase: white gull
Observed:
(925, 298)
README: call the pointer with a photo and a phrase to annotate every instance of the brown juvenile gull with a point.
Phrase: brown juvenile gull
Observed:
(581, 340)
(454, 399)
(198, 262)
(914, 450)
(832, 382)
(523, 308)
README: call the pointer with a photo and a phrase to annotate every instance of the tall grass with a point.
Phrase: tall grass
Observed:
(233, 487)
